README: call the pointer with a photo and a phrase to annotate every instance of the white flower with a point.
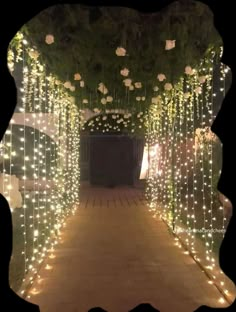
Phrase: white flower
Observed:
(138, 98)
(34, 54)
(131, 88)
(143, 98)
(168, 86)
(109, 99)
(49, 39)
(67, 84)
(187, 95)
(120, 51)
(81, 83)
(96, 110)
(77, 76)
(138, 85)
(57, 82)
(104, 118)
(102, 88)
(188, 70)
(155, 88)
(202, 79)
(72, 88)
(124, 72)
(127, 82)
(161, 77)
(198, 90)
(85, 101)
(103, 101)
(170, 44)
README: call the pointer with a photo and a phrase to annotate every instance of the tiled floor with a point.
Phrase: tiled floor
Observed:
(115, 255)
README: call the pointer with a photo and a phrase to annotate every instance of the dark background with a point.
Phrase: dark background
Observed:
(111, 160)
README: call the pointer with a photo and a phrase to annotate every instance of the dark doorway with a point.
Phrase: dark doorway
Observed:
(114, 159)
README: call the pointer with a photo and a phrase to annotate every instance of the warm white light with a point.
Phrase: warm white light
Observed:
(221, 300)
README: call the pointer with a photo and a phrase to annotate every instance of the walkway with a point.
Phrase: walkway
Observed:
(115, 255)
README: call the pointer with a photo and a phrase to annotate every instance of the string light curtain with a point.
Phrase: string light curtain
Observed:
(182, 175)
(40, 173)
(183, 192)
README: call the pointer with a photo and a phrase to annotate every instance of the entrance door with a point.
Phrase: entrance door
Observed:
(112, 160)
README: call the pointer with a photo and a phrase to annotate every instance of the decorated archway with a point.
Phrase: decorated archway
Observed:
(172, 107)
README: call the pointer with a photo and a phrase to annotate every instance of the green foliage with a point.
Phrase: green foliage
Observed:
(86, 39)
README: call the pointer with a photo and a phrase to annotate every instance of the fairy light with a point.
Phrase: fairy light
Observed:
(210, 168)
(178, 149)
(173, 127)
(23, 139)
(194, 212)
(203, 178)
(192, 164)
(42, 213)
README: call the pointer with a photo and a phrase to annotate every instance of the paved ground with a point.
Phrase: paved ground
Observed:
(115, 255)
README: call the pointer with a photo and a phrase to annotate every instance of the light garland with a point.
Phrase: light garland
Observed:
(181, 190)
(184, 194)
(46, 133)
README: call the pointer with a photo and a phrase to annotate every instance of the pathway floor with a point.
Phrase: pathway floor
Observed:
(115, 255)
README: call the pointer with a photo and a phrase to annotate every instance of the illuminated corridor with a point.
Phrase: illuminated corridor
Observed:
(115, 255)
(110, 164)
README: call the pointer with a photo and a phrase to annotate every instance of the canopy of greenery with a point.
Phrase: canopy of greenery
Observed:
(86, 39)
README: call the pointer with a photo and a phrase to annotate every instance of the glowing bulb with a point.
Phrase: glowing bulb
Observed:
(221, 300)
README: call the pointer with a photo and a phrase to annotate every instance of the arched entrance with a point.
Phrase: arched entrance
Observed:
(110, 158)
